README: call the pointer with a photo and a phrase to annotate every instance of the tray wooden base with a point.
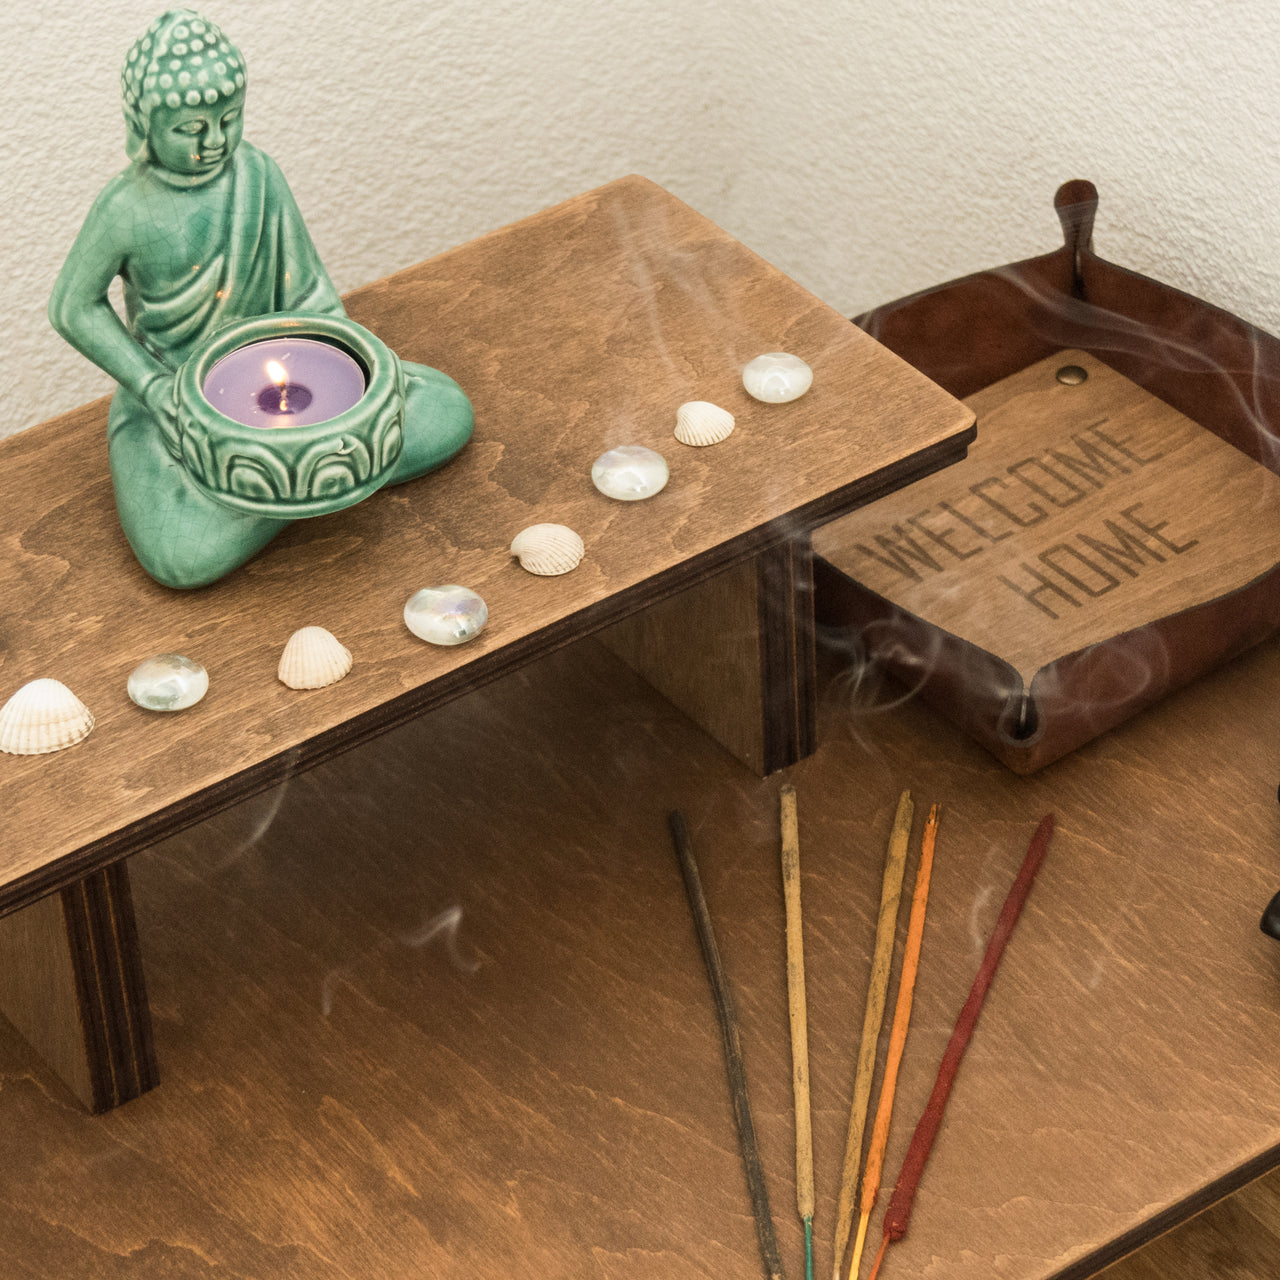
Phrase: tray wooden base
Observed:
(1096, 549)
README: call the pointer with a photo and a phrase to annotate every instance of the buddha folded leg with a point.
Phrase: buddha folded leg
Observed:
(438, 420)
(182, 537)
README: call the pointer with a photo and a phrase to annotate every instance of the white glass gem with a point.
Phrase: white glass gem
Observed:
(445, 615)
(168, 682)
(629, 472)
(777, 377)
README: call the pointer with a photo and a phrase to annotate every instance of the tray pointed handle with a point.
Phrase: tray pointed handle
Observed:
(1076, 202)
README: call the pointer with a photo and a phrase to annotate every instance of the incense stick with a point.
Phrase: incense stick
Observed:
(799, 1019)
(732, 1048)
(897, 1036)
(899, 1215)
(882, 959)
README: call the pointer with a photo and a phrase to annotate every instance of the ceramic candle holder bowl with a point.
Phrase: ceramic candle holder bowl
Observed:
(291, 472)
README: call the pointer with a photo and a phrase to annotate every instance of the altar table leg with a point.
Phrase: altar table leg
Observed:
(736, 655)
(71, 982)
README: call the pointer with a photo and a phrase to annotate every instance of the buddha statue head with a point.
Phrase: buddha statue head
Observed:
(183, 85)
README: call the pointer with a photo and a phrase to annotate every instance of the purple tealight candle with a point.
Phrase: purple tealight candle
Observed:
(284, 382)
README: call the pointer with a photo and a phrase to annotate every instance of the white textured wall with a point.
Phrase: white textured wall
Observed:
(868, 147)
(911, 142)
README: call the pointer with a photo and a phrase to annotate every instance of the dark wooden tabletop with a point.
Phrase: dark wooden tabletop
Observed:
(436, 1008)
(580, 328)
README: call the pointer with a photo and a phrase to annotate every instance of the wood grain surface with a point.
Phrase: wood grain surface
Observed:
(437, 1008)
(1082, 511)
(580, 328)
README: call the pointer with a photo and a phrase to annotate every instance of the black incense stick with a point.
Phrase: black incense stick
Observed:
(732, 1049)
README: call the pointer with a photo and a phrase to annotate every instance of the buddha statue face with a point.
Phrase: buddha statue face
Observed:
(196, 140)
(183, 85)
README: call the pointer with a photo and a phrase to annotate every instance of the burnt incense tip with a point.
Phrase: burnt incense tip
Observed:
(1271, 918)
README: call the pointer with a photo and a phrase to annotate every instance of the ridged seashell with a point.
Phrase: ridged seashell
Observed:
(699, 422)
(548, 549)
(43, 716)
(312, 659)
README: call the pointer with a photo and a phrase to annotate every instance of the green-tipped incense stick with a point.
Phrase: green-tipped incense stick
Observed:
(732, 1049)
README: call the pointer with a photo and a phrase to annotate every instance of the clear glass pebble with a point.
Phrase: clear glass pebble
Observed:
(445, 615)
(777, 377)
(168, 682)
(630, 472)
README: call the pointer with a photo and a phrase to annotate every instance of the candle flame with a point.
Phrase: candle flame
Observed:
(275, 371)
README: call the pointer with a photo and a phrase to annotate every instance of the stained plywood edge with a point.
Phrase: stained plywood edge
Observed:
(71, 983)
(38, 991)
(1081, 512)
(788, 667)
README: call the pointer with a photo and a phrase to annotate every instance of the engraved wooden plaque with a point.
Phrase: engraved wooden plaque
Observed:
(1087, 511)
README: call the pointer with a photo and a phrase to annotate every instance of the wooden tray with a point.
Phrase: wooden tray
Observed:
(1115, 530)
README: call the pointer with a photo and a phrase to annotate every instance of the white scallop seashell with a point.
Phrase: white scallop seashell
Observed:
(548, 549)
(43, 716)
(699, 422)
(312, 659)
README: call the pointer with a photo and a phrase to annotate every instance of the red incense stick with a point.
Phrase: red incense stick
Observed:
(904, 1194)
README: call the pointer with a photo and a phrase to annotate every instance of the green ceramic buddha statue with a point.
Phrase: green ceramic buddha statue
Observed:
(204, 233)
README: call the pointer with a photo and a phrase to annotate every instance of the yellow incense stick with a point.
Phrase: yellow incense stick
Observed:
(799, 1019)
(897, 1036)
(882, 960)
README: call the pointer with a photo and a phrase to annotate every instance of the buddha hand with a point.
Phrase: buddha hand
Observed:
(160, 396)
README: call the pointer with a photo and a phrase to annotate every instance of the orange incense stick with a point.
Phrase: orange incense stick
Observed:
(877, 989)
(897, 1036)
(898, 1217)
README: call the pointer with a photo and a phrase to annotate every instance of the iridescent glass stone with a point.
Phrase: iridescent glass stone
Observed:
(445, 615)
(629, 472)
(777, 377)
(168, 682)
